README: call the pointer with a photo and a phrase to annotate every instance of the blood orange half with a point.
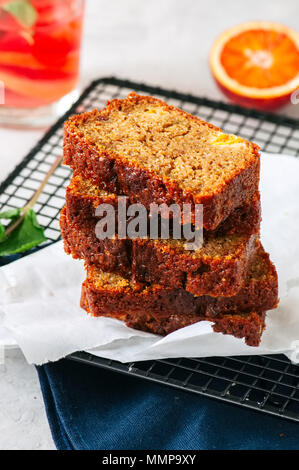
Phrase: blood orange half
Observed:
(256, 64)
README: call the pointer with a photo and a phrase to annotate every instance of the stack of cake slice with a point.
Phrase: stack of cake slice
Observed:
(154, 154)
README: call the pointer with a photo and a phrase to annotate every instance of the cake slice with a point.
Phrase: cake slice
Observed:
(83, 197)
(162, 310)
(155, 153)
(80, 241)
(249, 326)
(219, 267)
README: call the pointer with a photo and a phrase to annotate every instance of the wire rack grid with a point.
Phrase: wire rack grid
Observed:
(265, 383)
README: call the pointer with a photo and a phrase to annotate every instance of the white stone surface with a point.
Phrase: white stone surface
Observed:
(23, 422)
(161, 42)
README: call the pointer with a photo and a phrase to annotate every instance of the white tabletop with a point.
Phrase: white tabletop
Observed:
(160, 42)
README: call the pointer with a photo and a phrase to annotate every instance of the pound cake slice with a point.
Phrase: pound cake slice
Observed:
(219, 267)
(155, 153)
(249, 326)
(162, 310)
(83, 197)
(112, 255)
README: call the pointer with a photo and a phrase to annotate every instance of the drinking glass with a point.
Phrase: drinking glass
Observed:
(39, 59)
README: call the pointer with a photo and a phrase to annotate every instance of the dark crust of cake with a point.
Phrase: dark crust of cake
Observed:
(114, 174)
(148, 261)
(81, 209)
(224, 276)
(110, 255)
(258, 294)
(249, 326)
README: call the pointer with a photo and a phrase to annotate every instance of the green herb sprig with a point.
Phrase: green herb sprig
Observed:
(22, 10)
(23, 231)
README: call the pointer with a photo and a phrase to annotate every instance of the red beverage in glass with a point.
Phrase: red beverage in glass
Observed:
(39, 50)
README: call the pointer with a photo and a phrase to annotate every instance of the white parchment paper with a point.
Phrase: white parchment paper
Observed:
(39, 296)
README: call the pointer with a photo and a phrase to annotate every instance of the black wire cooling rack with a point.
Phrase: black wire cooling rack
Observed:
(266, 383)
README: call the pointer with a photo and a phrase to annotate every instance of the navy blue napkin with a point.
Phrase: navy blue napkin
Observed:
(93, 408)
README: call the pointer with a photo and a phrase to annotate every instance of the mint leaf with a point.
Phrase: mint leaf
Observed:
(2, 231)
(25, 236)
(22, 11)
(10, 214)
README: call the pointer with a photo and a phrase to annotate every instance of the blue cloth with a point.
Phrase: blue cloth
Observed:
(93, 408)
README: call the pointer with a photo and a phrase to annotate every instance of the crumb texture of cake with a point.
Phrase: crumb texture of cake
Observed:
(155, 153)
(166, 309)
(219, 267)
